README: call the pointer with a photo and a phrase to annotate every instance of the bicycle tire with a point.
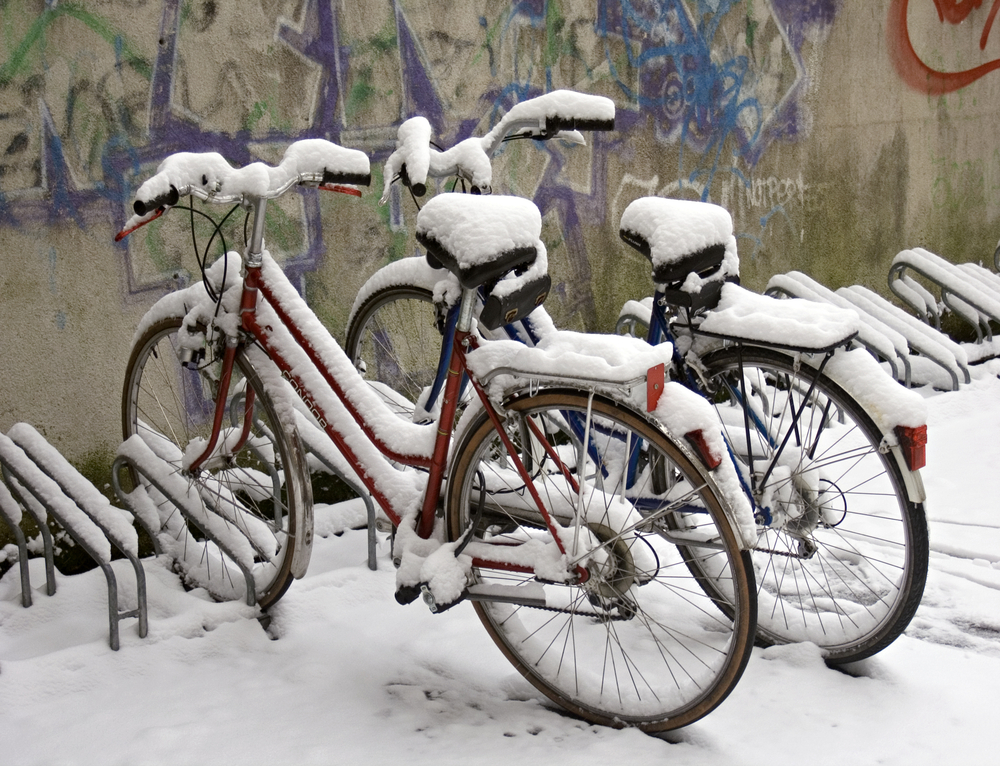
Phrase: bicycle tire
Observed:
(639, 644)
(846, 567)
(394, 341)
(169, 406)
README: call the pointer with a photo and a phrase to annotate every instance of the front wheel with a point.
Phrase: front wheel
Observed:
(639, 643)
(842, 559)
(260, 486)
(394, 341)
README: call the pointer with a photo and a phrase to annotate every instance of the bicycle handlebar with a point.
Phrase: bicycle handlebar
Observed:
(210, 177)
(558, 125)
(559, 113)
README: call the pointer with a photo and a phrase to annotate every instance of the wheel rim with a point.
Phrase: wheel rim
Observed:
(640, 644)
(396, 344)
(171, 407)
(839, 563)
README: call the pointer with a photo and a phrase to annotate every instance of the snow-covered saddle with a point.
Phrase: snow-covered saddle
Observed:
(490, 242)
(480, 238)
(690, 244)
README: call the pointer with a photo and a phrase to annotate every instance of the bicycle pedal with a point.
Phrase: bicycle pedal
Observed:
(407, 594)
(436, 606)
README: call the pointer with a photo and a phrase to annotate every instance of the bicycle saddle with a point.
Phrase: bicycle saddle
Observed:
(690, 245)
(479, 238)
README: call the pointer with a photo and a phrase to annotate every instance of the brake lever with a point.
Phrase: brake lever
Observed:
(340, 188)
(142, 222)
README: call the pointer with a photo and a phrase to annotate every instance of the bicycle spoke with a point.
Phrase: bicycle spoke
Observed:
(640, 637)
(842, 560)
(243, 493)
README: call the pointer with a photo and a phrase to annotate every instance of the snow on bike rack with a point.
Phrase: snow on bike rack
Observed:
(889, 333)
(970, 291)
(46, 484)
(914, 347)
(154, 468)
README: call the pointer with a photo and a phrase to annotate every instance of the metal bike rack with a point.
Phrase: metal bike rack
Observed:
(46, 484)
(319, 444)
(970, 291)
(11, 513)
(886, 331)
(927, 341)
(135, 455)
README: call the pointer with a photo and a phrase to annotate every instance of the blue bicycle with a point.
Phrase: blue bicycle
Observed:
(826, 460)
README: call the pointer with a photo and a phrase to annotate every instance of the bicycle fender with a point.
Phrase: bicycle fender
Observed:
(304, 531)
(911, 479)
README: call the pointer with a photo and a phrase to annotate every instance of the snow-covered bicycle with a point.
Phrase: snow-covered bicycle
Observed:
(595, 603)
(828, 447)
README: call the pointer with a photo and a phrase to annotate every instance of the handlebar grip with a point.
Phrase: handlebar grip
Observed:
(418, 189)
(353, 179)
(142, 207)
(555, 124)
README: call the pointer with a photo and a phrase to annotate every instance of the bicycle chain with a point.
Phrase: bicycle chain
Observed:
(786, 554)
(570, 611)
(581, 614)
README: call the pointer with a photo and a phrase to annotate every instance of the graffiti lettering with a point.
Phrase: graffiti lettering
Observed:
(716, 79)
(956, 13)
(775, 192)
(911, 67)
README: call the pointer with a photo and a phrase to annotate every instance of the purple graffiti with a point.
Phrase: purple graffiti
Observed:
(696, 99)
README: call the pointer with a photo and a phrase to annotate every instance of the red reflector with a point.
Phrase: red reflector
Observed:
(913, 442)
(654, 386)
(697, 440)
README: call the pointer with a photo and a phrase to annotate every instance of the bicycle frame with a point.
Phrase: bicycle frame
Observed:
(658, 332)
(255, 286)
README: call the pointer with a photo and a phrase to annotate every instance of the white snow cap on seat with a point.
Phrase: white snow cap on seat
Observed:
(676, 228)
(477, 229)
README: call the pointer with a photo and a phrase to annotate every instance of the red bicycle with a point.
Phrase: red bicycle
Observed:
(527, 506)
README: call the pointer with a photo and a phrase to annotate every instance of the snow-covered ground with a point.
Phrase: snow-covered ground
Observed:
(345, 675)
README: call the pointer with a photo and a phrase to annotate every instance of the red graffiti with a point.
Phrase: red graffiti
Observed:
(908, 63)
(956, 13)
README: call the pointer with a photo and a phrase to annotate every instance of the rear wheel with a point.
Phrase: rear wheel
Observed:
(843, 559)
(259, 488)
(639, 643)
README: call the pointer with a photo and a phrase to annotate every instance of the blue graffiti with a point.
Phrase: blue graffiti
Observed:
(668, 58)
(691, 97)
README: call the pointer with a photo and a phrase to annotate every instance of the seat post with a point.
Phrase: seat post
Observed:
(468, 306)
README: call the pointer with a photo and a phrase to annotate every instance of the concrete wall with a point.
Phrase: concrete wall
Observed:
(836, 132)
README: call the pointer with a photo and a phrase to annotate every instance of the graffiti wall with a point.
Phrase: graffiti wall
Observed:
(835, 133)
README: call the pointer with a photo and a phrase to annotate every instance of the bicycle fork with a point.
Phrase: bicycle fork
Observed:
(248, 305)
